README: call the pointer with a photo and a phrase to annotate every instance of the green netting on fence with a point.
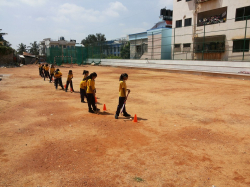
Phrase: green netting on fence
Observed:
(75, 55)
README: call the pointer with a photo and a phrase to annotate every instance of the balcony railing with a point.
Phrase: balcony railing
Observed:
(202, 1)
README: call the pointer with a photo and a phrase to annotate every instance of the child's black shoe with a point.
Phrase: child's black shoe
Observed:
(91, 111)
(126, 115)
(116, 117)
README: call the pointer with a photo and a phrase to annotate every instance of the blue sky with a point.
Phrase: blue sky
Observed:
(27, 21)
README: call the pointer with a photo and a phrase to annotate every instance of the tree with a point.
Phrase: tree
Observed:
(21, 48)
(7, 44)
(34, 48)
(91, 39)
(125, 51)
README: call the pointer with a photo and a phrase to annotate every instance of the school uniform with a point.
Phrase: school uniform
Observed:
(69, 81)
(46, 72)
(58, 79)
(83, 88)
(40, 69)
(91, 94)
(122, 98)
(52, 71)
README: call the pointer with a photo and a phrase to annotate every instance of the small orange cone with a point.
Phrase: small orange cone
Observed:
(135, 118)
(104, 107)
(95, 100)
(65, 86)
(71, 90)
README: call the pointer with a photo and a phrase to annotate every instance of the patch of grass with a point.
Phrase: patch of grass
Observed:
(138, 179)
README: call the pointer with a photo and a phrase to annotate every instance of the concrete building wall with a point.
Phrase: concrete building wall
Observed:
(231, 29)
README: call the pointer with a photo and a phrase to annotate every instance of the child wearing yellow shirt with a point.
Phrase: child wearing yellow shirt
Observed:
(40, 65)
(91, 92)
(46, 71)
(122, 96)
(58, 78)
(42, 70)
(52, 71)
(83, 86)
(69, 81)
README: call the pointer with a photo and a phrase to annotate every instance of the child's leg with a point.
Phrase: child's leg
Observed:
(89, 101)
(119, 107)
(56, 82)
(71, 85)
(60, 82)
(67, 85)
(50, 78)
(82, 95)
(93, 102)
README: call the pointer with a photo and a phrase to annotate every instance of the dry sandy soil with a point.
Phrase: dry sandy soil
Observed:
(191, 131)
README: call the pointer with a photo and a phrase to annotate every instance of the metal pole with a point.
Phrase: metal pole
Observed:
(245, 39)
(174, 44)
(152, 47)
(203, 42)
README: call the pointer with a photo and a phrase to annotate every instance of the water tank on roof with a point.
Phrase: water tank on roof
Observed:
(163, 12)
(61, 38)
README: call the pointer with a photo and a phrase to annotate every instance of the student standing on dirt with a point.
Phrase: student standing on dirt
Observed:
(42, 70)
(51, 72)
(69, 81)
(58, 78)
(46, 71)
(122, 96)
(40, 65)
(91, 92)
(83, 86)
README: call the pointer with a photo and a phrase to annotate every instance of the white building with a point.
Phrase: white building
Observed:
(211, 30)
(49, 43)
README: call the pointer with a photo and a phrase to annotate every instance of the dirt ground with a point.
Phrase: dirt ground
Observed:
(192, 131)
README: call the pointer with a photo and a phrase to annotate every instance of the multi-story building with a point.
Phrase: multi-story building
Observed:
(154, 43)
(211, 30)
(60, 43)
(113, 47)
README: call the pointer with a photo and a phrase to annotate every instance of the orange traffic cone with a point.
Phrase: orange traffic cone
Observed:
(135, 118)
(104, 107)
(71, 90)
(95, 100)
(65, 86)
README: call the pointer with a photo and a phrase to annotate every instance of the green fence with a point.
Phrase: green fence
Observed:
(60, 55)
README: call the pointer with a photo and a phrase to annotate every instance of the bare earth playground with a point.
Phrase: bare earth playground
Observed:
(192, 131)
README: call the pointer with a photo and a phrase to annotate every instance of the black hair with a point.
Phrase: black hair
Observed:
(70, 71)
(91, 76)
(85, 72)
(46, 64)
(122, 76)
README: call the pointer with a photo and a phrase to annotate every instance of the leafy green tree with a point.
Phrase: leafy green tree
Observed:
(125, 51)
(34, 48)
(21, 48)
(91, 39)
(7, 44)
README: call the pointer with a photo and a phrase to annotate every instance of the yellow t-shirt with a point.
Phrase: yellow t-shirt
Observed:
(43, 67)
(46, 68)
(58, 75)
(92, 84)
(40, 65)
(52, 71)
(70, 77)
(83, 84)
(122, 86)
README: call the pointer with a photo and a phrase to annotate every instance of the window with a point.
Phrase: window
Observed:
(178, 23)
(64, 46)
(238, 46)
(187, 45)
(188, 22)
(52, 45)
(242, 13)
(178, 0)
(177, 47)
(188, 0)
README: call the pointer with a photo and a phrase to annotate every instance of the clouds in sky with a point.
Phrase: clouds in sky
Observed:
(27, 21)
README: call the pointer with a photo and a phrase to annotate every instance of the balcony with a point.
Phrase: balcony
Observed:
(214, 16)
(210, 44)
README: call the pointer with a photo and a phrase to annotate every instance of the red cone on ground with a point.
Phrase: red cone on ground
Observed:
(95, 100)
(71, 90)
(135, 118)
(104, 107)
(65, 86)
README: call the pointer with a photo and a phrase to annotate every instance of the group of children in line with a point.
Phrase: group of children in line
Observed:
(87, 87)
